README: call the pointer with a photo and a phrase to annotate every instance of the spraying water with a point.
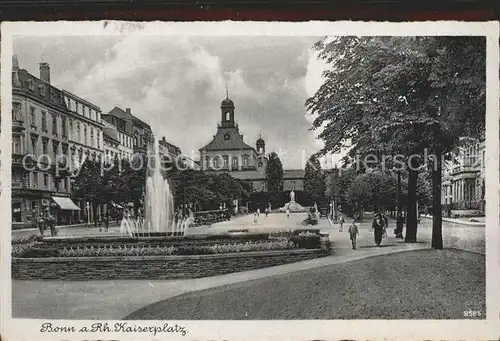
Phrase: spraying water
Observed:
(158, 203)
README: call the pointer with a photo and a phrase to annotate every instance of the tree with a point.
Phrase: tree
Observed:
(314, 180)
(394, 95)
(88, 184)
(274, 173)
(375, 189)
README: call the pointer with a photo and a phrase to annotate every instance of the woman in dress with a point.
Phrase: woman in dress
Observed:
(378, 226)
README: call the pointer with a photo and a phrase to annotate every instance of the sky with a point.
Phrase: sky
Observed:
(176, 84)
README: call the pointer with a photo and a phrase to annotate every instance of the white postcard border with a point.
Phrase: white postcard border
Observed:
(26, 329)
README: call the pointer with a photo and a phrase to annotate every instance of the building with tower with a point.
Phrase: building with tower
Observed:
(229, 153)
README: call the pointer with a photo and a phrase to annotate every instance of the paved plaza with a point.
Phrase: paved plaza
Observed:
(118, 299)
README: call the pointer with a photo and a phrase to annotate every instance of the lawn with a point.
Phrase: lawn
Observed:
(426, 284)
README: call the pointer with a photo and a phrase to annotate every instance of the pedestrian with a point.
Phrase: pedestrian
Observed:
(341, 223)
(287, 212)
(399, 226)
(258, 212)
(378, 228)
(107, 221)
(386, 224)
(267, 211)
(51, 223)
(353, 233)
(255, 218)
(41, 223)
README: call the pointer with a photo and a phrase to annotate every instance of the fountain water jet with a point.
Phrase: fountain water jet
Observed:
(158, 204)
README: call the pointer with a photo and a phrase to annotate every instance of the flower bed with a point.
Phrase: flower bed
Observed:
(36, 247)
(127, 250)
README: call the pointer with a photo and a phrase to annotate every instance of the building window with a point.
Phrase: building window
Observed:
(44, 147)
(92, 137)
(35, 179)
(98, 140)
(44, 121)
(78, 133)
(77, 107)
(33, 117)
(16, 145)
(42, 90)
(54, 125)
(31, 86)
(235, 162)
(33, 145)
(55, 147)
(226, 137)
(17, 114)
(245, 161)
(45, 179)
(216, 162)
(226, 159)
(64, 127)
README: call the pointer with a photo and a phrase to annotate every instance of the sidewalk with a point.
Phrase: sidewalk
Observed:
(479, 221)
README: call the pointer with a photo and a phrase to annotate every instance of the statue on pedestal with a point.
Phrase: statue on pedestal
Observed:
(292, 196)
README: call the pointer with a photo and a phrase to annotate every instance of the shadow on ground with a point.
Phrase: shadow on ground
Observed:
(425, 284)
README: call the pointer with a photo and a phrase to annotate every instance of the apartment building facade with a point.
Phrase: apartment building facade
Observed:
(40, 147)
(463, 187)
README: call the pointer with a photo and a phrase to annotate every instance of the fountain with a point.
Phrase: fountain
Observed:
(292, 205)
(158, 205)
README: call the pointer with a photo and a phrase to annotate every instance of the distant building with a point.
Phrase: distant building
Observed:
(122, 120)
(229, 153)
(464, 181)
(85, 130)
(111, 142)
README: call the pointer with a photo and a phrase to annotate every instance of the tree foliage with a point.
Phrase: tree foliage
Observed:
(274, 173)
(314, 181)
(400, 95)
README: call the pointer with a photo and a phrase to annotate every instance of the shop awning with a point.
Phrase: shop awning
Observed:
(66, 204)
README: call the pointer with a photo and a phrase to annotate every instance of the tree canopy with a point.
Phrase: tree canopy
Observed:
(314, 180)
(274, 173)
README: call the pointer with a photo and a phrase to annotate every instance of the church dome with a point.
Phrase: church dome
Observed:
(227, 103)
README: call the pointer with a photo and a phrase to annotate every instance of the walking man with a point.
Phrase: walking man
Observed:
(341, 223)
(378, 226)
(353, 233)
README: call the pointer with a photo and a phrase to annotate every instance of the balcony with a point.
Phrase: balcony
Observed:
(17, 160)
(467, 170)
(140, 149)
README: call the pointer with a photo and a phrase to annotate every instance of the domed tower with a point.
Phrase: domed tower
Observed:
(227, 111)
(261, 146)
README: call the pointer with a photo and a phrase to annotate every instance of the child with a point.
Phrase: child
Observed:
(341, 223)
(353, 232)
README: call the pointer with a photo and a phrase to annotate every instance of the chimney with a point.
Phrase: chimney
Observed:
(45, 72)
(128, 111)
(164, 139)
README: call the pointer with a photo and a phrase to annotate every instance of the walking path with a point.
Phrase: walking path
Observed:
(476, 221)
(117, 299)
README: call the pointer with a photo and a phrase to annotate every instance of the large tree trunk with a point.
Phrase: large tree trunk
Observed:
(411, 219)
(437, 220)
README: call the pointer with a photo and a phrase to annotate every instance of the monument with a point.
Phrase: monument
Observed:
(293, 206)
